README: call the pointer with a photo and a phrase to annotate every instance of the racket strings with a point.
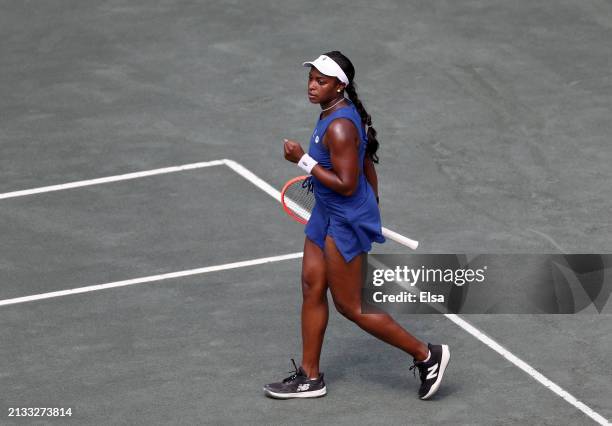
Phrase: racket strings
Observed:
(299, 198)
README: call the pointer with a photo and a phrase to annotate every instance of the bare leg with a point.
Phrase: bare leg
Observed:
(315, 311)
(345, 281)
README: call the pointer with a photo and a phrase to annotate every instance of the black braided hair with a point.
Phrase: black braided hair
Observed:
(351, 91)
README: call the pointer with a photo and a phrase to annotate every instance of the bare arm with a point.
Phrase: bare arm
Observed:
(341, 140)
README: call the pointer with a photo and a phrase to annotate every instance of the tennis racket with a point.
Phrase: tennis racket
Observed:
(298, 200)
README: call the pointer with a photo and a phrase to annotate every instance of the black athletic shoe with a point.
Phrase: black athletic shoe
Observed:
(431, 372)
(298, 385)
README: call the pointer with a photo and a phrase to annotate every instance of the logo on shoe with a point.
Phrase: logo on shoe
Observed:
(433, 372)
(303, 387)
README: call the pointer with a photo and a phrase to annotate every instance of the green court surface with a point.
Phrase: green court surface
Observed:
(494, 122)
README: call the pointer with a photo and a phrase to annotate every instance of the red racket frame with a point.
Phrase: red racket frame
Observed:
(290, 212)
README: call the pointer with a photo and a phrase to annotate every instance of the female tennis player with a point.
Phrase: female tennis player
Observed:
(344, 222)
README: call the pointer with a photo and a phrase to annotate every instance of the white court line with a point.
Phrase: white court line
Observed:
(109, 179)
(254, 179)
(466, 326)
(535, 374)
(151, 278)
(266, 187)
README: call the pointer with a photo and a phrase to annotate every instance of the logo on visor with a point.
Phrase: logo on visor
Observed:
(316, 139)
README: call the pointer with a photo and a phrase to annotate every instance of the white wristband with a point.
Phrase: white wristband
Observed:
(306, 163)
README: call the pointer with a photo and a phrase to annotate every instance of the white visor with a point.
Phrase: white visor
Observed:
(328, 66)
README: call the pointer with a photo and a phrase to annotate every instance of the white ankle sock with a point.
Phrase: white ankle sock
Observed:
(428, 356)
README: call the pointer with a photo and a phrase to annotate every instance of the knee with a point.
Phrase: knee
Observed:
(313, 289)
(349, 311)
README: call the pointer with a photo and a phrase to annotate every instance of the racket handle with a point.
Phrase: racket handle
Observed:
(400, 238)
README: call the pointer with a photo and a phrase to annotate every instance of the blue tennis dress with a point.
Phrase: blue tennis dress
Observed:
(352, 221)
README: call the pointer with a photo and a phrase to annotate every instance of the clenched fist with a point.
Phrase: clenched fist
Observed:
(293, 151)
